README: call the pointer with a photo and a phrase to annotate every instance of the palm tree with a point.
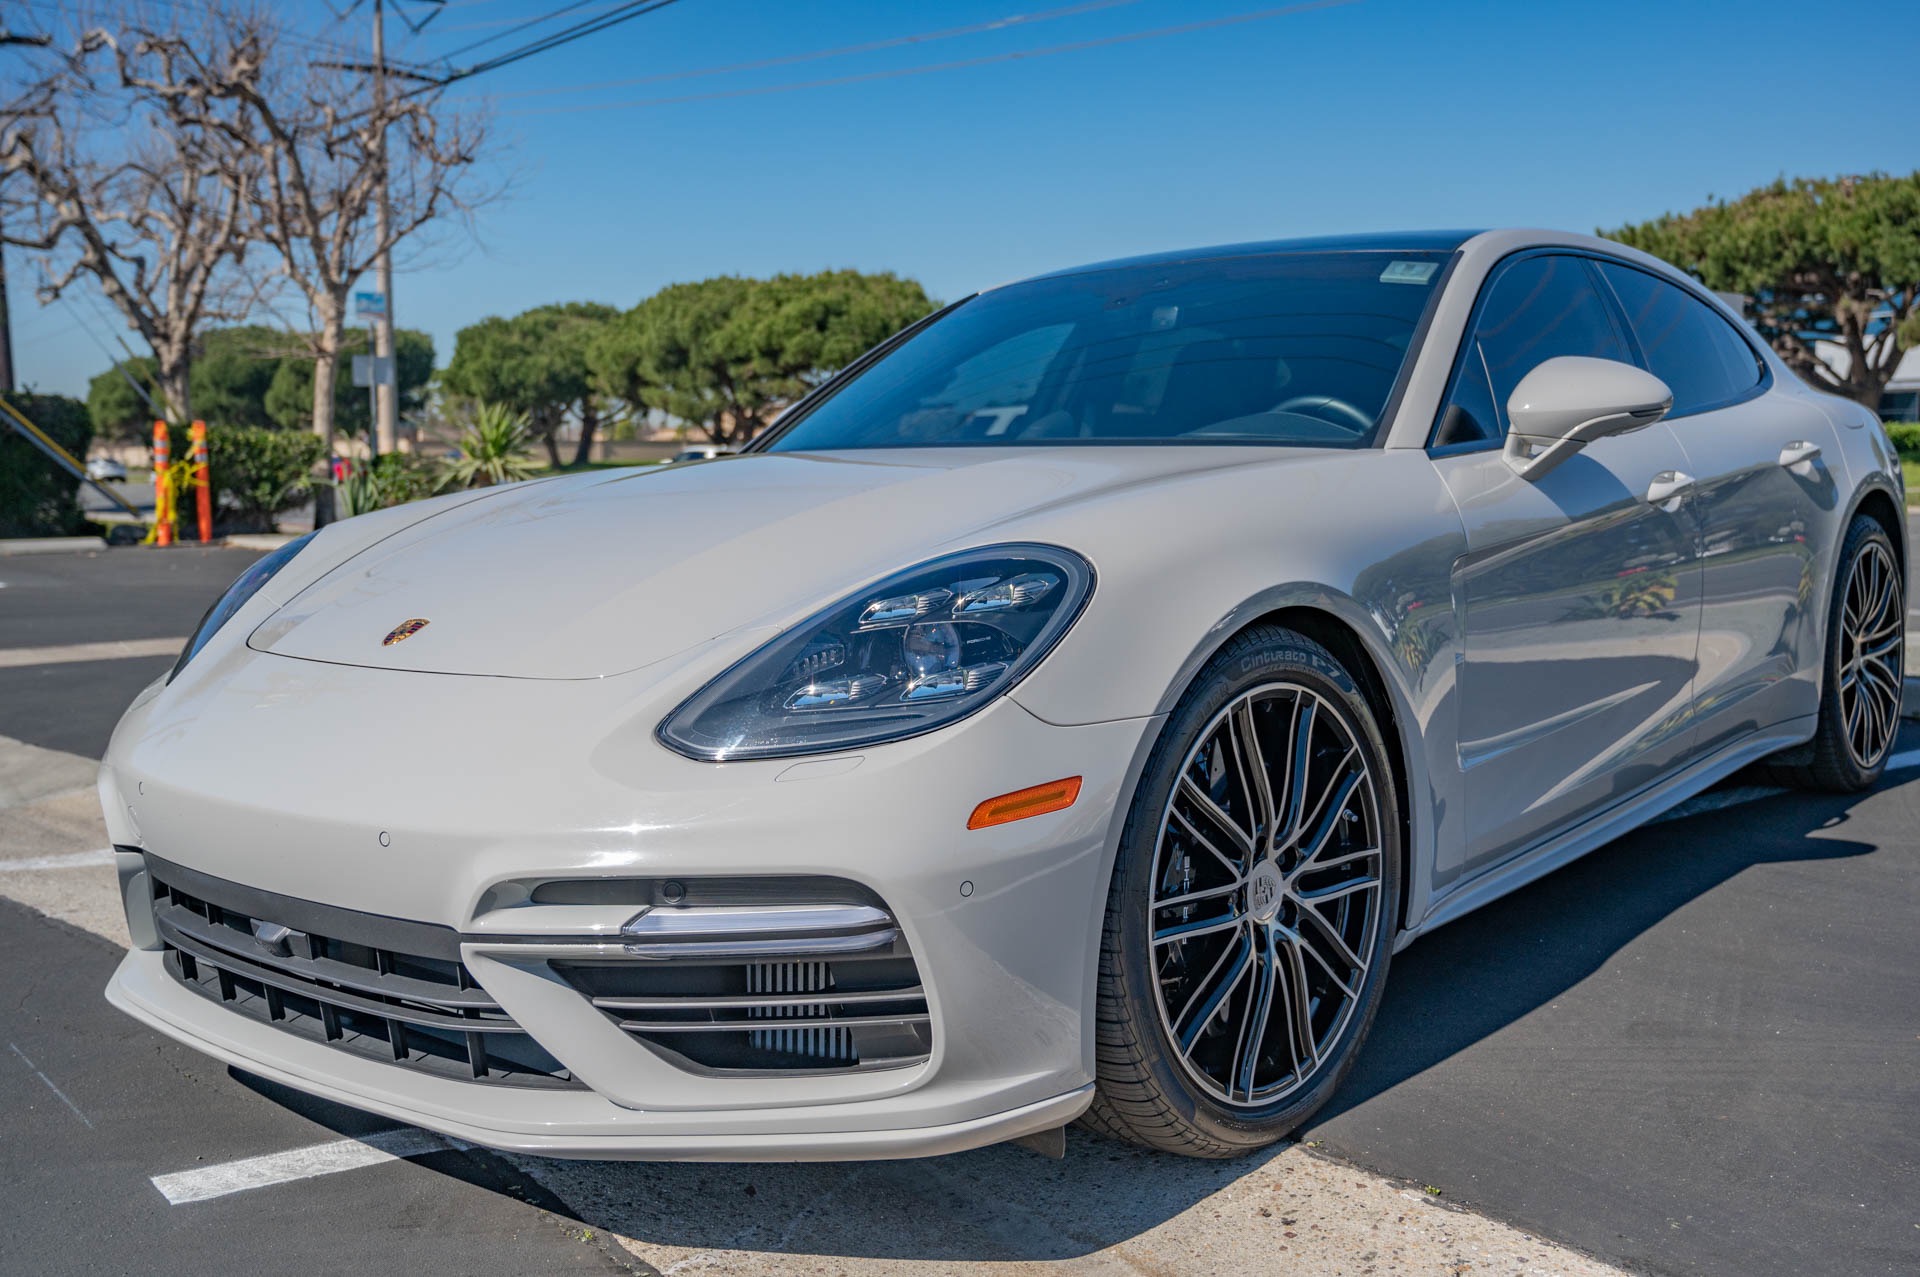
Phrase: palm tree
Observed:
(493, 449)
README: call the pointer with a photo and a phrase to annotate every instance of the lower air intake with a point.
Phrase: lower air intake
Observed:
(820, 1043)
(744, 986)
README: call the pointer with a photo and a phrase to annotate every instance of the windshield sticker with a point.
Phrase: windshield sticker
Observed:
(1408, 272)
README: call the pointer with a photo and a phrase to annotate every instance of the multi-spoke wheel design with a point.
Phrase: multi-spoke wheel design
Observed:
(1862, 663)
(1872, 633)
(1249, 924)
(1266, 895)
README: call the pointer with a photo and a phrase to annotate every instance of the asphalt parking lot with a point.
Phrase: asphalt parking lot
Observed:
(1695, 1051)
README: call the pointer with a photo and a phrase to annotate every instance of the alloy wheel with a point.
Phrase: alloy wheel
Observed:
(1267, 895)
(1872, 639)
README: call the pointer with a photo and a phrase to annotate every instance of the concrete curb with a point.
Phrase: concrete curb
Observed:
(50, 545)
(258, 540)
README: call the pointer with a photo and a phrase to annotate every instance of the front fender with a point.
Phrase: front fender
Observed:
(1367, 539)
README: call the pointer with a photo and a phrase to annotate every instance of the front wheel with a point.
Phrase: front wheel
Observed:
(1860, 687)
(1250, 919)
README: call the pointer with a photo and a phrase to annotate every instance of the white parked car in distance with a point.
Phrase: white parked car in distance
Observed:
(699, 452)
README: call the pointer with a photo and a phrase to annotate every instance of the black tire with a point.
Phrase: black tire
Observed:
(1830, 762)
(1145, 1093)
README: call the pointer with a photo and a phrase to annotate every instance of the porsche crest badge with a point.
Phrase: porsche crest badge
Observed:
(403, 631)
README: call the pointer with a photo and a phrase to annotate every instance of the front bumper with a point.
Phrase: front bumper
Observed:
(564, 1124)
(435, 823)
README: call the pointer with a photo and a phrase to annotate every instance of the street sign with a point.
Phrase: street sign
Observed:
(373, 370)
(370, 305)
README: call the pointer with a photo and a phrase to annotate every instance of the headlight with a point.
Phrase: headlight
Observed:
(915, 652)
(235, 598)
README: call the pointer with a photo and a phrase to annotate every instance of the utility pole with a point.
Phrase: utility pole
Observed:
(6, 326)
(386, 390)
(384, 436)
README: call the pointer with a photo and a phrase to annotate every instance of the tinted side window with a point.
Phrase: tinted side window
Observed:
(1470, 416)
(1536, 309)
(1688, 346)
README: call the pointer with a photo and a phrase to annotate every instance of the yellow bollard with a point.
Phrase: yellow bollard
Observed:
(162, 489)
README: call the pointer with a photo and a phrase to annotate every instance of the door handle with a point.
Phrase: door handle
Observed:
(1798, 453)
(1668, 487)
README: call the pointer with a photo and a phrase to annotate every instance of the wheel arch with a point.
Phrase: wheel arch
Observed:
(1339, 623)
(1341, 639)
(1877, 503)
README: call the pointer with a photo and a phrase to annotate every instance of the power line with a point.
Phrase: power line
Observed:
(961, 64)
(592, 26)
(566, 35)
(872, 46)
(490, 23)
(519, 25)
(112, 358)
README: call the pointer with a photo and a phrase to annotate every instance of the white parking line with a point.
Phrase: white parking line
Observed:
(114, 651)
(1909, 759)
(84, 1121)
(72, 860)
(1719, 799)
(204, 1183)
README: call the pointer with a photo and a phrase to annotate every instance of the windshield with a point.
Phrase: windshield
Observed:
(1300, 348)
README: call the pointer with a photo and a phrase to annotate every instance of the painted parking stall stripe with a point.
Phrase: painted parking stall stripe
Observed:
(71, 860)
(64, 1098)
(119, 650)
(204, 1183)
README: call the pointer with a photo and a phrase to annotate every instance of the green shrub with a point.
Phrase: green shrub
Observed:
(394, 478)
(492, 449)
(1905, 436)
(259, 473)
(37, 496)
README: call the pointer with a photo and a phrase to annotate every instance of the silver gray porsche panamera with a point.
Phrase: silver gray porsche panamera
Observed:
(1065, 713)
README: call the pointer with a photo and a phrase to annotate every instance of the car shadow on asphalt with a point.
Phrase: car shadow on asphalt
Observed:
(1476, 976)
(1003, 1204)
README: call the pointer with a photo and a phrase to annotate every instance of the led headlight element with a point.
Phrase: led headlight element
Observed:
(912, 653)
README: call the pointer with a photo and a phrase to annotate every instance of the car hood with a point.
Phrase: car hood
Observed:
(603, 573)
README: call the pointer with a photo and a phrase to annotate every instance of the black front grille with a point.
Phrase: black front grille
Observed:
(380, 987)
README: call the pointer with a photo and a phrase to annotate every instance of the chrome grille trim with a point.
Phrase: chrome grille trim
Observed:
(762, 988)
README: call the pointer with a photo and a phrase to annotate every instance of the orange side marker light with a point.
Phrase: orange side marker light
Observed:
(1036, 800)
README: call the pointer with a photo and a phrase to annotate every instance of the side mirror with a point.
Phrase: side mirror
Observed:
(1569, 401)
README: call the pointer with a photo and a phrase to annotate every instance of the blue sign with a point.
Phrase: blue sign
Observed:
(370, 305)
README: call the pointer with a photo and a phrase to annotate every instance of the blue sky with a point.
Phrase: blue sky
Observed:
(1369, 115)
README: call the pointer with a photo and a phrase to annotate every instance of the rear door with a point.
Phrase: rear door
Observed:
(1763, 499)
(1578, 598)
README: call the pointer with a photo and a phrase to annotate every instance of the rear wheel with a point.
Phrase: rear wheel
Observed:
(1250, 919)
(1861, 685)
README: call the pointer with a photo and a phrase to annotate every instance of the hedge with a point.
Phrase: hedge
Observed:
(37, 497)
(258, 473)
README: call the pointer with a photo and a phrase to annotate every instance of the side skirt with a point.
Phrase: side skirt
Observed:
(1597, 830)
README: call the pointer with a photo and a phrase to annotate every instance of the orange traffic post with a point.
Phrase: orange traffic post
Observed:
(162, 489)
(202, 494)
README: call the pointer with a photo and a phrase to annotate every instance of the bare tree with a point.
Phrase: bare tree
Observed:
(125, 171)
(328, 147)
